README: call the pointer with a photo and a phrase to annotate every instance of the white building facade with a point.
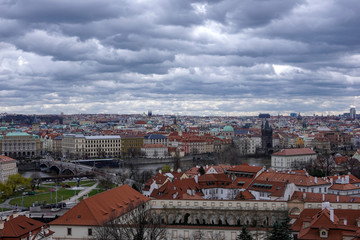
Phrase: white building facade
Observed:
(7, 167)
(80, 146)
(288, 159)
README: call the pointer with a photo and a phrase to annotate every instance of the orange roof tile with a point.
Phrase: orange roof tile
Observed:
(4, 158)
(21, 226)
(96, 210)
(245, 168)
(343, 187)
(318, 197)
(154, 146)
(294, 152)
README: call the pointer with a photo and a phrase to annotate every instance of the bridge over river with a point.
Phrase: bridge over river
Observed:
(66, 168)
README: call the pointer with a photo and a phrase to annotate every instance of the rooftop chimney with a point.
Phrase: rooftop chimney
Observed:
(347, 179)
(196, 178)
(323, 197)
(2, 222)
(332, 214)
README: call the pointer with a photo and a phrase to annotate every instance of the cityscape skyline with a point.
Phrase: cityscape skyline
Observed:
(190, 58)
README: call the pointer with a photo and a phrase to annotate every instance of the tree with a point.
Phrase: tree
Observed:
(36, 181)
(141, 224)
(352, 166)
(244, 235)
(105, 181)
(6, 189)
(326, 163)
(166, 168)
(16, 180)
(280, 231)
(201, 170)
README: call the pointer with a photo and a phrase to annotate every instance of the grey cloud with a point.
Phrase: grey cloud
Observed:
(195, 57)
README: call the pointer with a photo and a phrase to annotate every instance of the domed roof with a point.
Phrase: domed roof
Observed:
(228, 129)
(149, 123)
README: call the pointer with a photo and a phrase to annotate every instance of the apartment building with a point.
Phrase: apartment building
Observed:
(80, 146)
(7, 168)
(21, 144)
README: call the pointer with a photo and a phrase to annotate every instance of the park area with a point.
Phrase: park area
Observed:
(24, 192)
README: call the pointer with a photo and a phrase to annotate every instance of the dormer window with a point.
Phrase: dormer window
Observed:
(323, 233)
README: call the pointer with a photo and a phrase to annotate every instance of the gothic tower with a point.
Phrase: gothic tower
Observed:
(266, 136)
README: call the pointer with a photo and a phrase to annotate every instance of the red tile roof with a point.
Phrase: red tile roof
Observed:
(276, 189)
(98, 209)
(294, 152)
(340, 159)
(318, 197)
(298, 178)
(245, 168)
(178, 190)
(21, 226)
(4, 158)
(320, 219)
(343, 187)
(245, 195)
(154, 146)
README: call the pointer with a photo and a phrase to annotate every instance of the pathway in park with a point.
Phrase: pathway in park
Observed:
(69, 202)
(85, 191)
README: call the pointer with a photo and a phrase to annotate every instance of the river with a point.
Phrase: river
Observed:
(185, 165)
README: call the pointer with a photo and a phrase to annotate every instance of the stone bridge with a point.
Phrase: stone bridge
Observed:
(66, 168)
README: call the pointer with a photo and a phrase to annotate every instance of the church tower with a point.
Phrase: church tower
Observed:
(35, 124)
(266, 136)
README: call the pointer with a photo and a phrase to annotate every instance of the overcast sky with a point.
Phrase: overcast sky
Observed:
(225, 57)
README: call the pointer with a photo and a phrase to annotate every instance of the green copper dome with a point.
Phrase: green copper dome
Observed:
(228, 129)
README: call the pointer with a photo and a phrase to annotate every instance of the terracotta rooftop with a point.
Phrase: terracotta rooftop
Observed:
(294, 152)
(4, 158)
(21, 226)
(343, 224)
(96, 210)
(154, 146)
(343, 187)
(321, 197)
(245, 168)
(298, 178)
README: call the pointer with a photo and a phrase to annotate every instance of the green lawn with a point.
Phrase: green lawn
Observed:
(5, 209)
(95, 191)
(41, 197)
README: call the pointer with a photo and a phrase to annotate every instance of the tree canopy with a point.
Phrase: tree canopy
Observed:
(280, 231)
(244, 235)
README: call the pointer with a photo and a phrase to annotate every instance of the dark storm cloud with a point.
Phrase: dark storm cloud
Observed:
(65, 11)
(195, 57)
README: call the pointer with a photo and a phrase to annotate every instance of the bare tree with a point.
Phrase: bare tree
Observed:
(198, 235)
(140, 224)
(326, 163)
(109, 230)
(352, 166)
(36, 180)
(106, 181)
